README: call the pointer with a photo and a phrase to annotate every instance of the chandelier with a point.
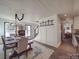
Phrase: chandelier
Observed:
(17, 18)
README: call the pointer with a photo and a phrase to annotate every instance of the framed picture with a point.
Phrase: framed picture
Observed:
(49, 22)
(52, 22)
(42, 23)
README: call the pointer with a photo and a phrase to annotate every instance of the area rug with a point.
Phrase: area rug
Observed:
(32, 54)
(36, 51)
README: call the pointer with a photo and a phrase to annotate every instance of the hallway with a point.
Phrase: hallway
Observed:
(65, 50)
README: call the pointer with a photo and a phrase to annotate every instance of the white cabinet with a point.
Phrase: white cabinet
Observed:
(43, 34)
(51, 35)
(48, 35)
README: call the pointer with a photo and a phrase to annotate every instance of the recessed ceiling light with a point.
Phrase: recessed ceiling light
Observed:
(65, 14)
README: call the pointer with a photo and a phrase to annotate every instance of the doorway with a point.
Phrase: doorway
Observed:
(66, 28)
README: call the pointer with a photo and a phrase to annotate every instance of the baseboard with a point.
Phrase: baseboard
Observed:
(49, 46)
(58, 44)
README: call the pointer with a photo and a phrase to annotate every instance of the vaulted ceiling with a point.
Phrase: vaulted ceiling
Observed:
(36, 9)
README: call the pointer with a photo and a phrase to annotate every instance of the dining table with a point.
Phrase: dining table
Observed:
(10, 41)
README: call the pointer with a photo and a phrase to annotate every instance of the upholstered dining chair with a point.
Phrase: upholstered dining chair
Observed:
(77, 48)
(21, 48)
(5, 46)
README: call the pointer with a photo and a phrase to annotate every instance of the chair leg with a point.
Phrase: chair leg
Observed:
(26, 53)
(18, 57)
(10, 57)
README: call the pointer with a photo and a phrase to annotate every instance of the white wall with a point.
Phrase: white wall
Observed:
(76, 10)
(76, 6)
(1, 28)
(50, 35)
(76, 22)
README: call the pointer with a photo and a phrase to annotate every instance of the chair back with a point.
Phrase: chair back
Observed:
(77, 39)
(21, 45)
(3, 41)
(4, 46)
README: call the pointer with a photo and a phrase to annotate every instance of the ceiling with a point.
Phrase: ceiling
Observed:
(35, 9)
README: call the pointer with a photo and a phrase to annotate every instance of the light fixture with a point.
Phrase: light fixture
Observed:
(16, 17)
(65, 15)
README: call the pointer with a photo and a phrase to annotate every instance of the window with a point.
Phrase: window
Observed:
(9, 29)
(27, 32)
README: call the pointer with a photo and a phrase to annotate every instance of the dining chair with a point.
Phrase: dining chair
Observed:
(21, 48)
(77, 48)
(6, 46)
